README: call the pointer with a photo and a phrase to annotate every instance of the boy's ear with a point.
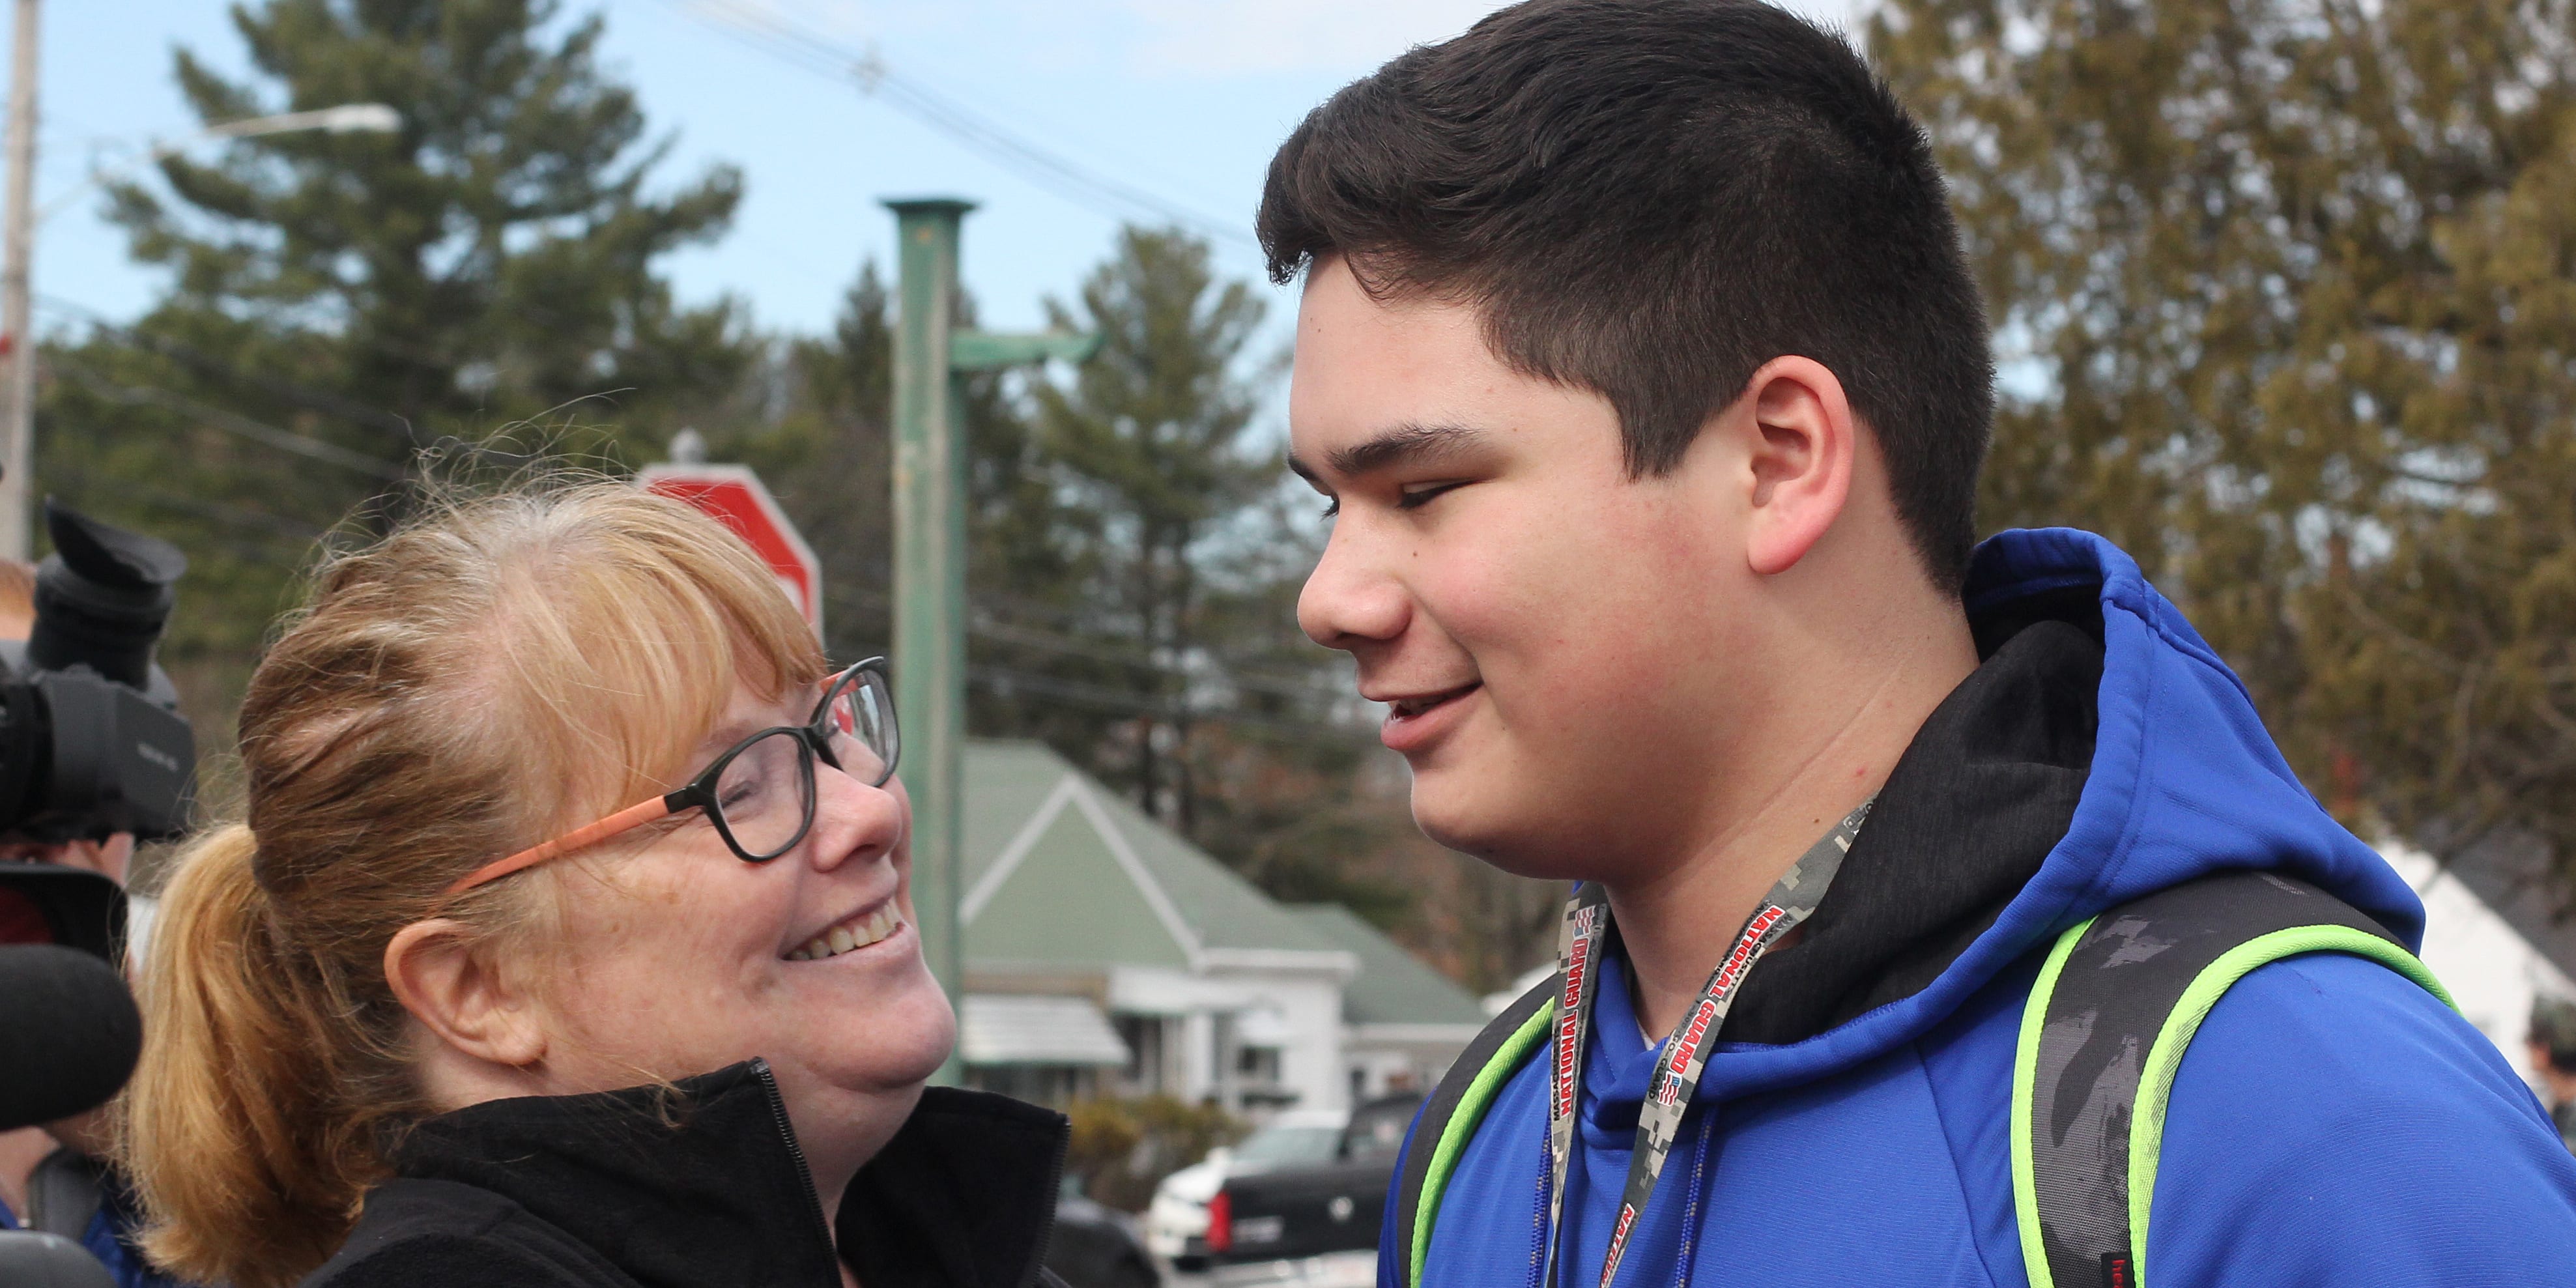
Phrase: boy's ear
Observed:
(1801, 447)
(462, 996)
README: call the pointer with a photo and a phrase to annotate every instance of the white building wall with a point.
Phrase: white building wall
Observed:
(2491, 970)
(1374, 1072)
(1384, 1058)
(1301, 1016)
(1292, 1007)
(1198, 1056)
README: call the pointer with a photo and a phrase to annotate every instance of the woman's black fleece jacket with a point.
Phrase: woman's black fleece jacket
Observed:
(705, 1187)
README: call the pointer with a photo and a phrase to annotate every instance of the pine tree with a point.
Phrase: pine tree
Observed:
(339, 302)
(1150, 439)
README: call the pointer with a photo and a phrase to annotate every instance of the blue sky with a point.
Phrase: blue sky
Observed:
(1182, 99)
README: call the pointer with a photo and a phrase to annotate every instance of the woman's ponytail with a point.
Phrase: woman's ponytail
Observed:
(225, 1129)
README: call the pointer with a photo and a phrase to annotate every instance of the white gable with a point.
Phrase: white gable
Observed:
(2493, 972)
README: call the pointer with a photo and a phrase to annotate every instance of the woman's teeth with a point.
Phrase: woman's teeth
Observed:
(858, 932)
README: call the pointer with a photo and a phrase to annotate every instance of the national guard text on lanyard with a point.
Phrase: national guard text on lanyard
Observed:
(1659, 1120)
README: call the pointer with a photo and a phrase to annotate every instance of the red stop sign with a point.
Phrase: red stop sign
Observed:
(733, 494)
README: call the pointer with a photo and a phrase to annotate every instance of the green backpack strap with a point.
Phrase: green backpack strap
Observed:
(1449, 1118)
(2104, 1033)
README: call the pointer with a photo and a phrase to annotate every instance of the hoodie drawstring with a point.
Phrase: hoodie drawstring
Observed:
(1688, 1256)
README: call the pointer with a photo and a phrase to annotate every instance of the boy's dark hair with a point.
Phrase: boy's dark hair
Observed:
(1651, 199)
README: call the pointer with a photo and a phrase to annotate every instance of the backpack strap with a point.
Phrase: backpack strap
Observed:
(1450, 1117)
(2104, 1032)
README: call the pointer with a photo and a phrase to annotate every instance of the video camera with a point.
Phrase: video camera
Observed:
(91, 739)
(91, 744)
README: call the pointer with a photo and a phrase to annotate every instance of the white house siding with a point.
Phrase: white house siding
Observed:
(1287, 1002)
(1298, 1015)
(2491, 970)
(1386, 1058)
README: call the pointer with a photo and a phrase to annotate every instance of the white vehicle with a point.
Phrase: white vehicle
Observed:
(1176, 1224)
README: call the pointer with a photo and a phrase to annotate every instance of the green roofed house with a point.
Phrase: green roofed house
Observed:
(1402, 1022)
(1104, 954)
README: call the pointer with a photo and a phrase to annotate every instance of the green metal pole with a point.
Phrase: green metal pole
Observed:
(930, 575)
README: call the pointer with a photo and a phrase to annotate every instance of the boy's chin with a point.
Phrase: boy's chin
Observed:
(1486, 827)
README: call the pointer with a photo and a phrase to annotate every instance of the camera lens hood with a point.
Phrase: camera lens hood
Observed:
(102, 597)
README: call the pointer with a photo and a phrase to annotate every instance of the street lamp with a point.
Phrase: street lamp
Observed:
(18, 407)
(347, 118)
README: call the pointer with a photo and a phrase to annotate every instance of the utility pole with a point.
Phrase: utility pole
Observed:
(930, 458)
(17, 343)
(930, 575)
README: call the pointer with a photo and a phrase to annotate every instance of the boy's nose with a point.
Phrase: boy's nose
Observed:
(1347, 603)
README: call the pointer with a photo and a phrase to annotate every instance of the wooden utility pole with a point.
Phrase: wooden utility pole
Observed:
(17, 341)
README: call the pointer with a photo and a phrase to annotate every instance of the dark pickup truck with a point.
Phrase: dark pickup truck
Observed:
(1313, 1226)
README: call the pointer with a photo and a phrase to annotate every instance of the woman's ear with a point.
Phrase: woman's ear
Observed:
(462, 996)
(1803, 449)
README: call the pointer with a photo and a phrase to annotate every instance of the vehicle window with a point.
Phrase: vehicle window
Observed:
(1281, 1145)
(1377, 1128)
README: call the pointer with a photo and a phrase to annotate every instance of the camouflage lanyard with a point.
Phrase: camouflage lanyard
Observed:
(1579, 947)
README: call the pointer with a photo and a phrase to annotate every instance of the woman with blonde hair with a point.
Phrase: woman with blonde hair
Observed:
(567, 940)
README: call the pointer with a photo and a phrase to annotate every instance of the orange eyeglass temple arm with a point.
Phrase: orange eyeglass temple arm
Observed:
(632, 816)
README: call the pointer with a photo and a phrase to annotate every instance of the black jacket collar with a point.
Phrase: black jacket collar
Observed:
(704, 1184)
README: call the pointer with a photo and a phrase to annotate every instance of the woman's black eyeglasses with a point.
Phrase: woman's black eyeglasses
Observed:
(759, 794)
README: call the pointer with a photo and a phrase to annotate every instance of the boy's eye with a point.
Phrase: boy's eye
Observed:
(1415, 495)
(1332, 507)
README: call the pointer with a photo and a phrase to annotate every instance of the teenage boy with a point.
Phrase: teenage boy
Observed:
(1639, 361)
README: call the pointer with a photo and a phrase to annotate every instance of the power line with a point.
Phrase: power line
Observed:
(1004, 632)
(804, 47)
(1022, 613)
(301, 395)
(1006, 682)
(1123, 653)
(271, 532)
(1127, 651)
(232, 423)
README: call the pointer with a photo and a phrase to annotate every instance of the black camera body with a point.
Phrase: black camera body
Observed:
(91, 739)
(84, 757)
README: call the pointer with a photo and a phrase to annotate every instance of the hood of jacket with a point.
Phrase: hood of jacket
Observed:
(703, 1183)
(2102, 752)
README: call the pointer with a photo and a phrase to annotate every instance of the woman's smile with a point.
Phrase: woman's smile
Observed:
(865, 928)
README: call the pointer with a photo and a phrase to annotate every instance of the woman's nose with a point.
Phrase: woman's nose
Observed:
(854, 821)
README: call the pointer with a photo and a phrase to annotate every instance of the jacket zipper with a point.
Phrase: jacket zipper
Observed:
(804, 1173)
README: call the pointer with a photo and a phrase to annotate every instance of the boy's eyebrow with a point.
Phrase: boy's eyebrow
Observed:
(1399, 445)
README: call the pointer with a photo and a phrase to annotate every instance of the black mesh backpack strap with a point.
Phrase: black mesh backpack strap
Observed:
(2103, 1034)
(1450, 1117)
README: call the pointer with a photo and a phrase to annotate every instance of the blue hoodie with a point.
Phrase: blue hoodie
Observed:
(2332, 1123)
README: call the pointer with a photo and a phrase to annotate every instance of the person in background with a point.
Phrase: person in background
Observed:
(2553, 1056)
(55, 1178)
(567, 939)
